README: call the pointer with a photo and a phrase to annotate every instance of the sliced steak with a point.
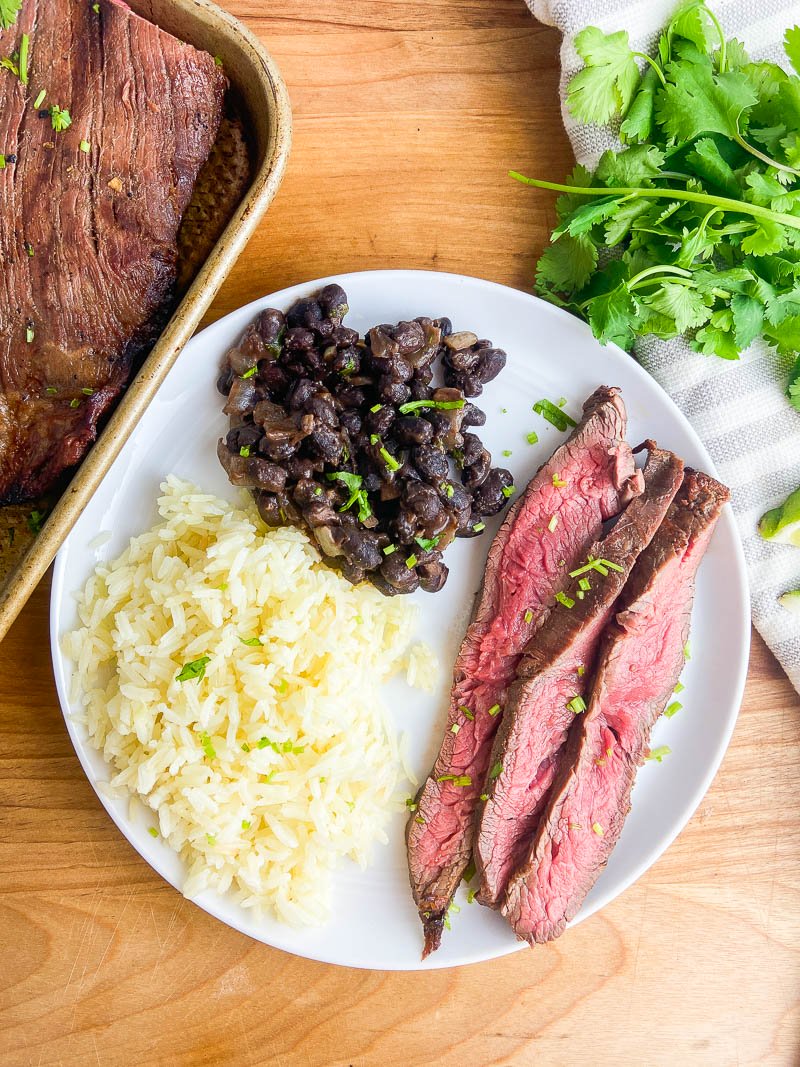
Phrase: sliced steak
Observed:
(549, 529)
(88, 237)
(552, 679)
(639, 662)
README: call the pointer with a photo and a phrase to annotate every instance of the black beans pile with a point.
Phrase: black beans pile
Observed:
(352, 439)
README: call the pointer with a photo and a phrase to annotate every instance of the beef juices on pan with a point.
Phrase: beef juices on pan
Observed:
(548, 531)
(552, 679)
(639, 663)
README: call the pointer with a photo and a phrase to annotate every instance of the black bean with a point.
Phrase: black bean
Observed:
(351, 421)
(491, 362)
(410, 337)
(301, 392)
(322, 408)
(476, 473)
(273, 376)
(319, 512)
(361, 547)
(445, 325)
(333, 301)
(304, 313)
(299, 468)
(411, 430)
(397, 574)
(266, 475)
(473, 416)
(347, 361)
(463, 361)
(394, 392)
(423, 501)
(431, 462)
(350, 396)
(225, 380)
(489, 498)
(298, 339)
(343, 335)
(432, 576)
(327, 444)
(380, 421)
(269, 509)
(269, 325)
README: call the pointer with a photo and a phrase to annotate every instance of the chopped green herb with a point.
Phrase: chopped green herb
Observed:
(251, 641)
(467, 713)
(687, 652)
(419, 819)
(558, 481)
(2, 162)
(532, 438)
(576, 705)
(598, 829)
(562, 401)
(440, 405)
(87, 391)
(679, 688)
(85, 146)
(554, 415)
(248, 373)
(36, 521)
(29, 249)
(495, 771)
(411, 804)
(376, 407)
(9, 9)
(245, 451)
(553, 523)
(358, 496)
(506, 451)
(75, 402)
(494, 709)
(471, 896)
(411, 561)
(659, 753)
(581, 670)
(211, 838)
(96, 8)
(508, 490)
(449, 490)
(51, 390)
(567, 601)
(373, 439)
(208, 747)
(196, 669)
(24, 45)
(217, 61)
(29, 335)
(245, 824)
(245, 747)
(389, 459)
(37, 103)
(584, 584)
(528, 615)
(60, 118)
(152, 831)
(484, 797)
(455, 728)
(673, 709)
(479, 526)
(428, 543)
(389, 550)
(503, 411)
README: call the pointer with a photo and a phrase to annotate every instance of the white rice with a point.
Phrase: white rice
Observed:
(269, 824)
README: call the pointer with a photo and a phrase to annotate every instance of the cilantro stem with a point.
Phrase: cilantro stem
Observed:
(723, 202)
(659, 268)
(653, 64)
(770, 162)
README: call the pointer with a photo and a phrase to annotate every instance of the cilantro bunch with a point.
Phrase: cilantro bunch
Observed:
(694, 227)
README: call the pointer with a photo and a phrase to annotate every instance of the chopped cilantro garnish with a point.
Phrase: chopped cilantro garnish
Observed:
(508, 490)
(598, 829)
(249, 373)
(208, 747)
(479, 526)
(528, 615)
(411, 804)
(558, 481)
(389, 459)
(358, 496)
(29, 334)
(252, 641)
(687, 652)
(411, 561)
(495, 771)
(37, 103)
(673, 709)
(532, 438)
(211, 838)
(562, 598)
(244, 451)
(506, 451)
(389, 549)
(85, 146)
(195, 669)
(484, 797)
(75, 402)
(87, 391)
(467, 713)
(455, 728)
(581, 670)
(659, 753)
(152, 831)
(245, 824)
(428, 543)
(441, 405)
(24, 45)
(679, 688)
(60, 118)
(553, 523)
(493, 710)
(245, 747)
(419, 819)
(36, 521)
(554, 415)
(576, 705)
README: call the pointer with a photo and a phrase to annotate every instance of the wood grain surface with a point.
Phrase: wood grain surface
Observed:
(406, 116)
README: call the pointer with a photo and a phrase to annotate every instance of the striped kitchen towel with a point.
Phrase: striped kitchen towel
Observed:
(739, 409)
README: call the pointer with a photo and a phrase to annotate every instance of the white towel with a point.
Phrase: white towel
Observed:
(739, 409)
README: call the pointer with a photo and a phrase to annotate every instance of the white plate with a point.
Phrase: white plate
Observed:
(551, 354)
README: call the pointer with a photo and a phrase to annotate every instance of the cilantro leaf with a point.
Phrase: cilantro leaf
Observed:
(707, 160)
(791, 44)
(607, 83)
(566, 265)
(613, 315)
(583, 218)
(793, 389)
(634, 166)
(696, 101)
(748, 319)
(9, 9)
(686, 306)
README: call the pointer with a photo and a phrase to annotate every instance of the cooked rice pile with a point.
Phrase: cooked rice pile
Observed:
(281, 758)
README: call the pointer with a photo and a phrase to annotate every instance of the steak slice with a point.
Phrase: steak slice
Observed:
(539, 709)
(639, 663)
(544, 535)
(88, 238)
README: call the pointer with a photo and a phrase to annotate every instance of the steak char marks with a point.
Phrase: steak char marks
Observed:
(88, 238)
(552, 678)
(639, 663)
(545, 534)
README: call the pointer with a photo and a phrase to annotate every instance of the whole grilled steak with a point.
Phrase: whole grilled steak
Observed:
(550, 528)
(552, 678)
(88, 218)
(639, 662)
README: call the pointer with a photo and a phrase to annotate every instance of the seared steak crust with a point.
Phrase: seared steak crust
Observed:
(639, 663)
(88, 238)
(527, 565)
(537, 716)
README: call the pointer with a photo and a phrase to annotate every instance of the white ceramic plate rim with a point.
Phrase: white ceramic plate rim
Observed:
(219, 908)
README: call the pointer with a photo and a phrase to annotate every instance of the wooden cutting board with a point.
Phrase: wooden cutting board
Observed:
(407, 114)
